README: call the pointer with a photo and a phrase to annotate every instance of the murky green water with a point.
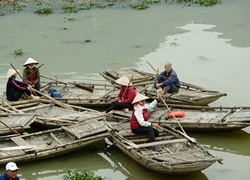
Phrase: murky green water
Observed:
(209, 47)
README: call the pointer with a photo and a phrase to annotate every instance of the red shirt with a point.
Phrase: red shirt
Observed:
(129, 95)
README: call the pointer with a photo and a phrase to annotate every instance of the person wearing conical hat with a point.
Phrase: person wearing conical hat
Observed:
(139, 120)
(16, 89)
(11, 172)
(31, 74)
(167, 80)
(125, 97)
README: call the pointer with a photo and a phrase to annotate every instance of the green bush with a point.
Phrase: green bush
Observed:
(44, 10)
(69, 8)
(72, 175)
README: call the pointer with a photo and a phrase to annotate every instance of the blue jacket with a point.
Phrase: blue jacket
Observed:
(168, 79)
(4, 177)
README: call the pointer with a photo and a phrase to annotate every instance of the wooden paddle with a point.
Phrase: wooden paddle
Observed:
(127, 87)
(81, 86)
(183, 131)
(35, 70)
(48, 97)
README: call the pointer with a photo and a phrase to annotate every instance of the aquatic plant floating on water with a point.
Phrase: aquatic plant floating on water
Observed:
(73, 175)
(139, 5)
(69, 8)
(18, 52)
(44, 10)
(87, 40)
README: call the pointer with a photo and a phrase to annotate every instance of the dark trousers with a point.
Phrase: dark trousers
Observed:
(119, 106)
(150, 131)
(170, 89)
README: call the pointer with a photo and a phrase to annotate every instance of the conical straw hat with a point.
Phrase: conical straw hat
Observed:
(139, 97)
(123, 81)
(30, 61)
(10, 73)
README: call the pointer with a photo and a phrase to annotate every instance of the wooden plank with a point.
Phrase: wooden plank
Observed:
(160, 143)
(21, 142)
(55, 138)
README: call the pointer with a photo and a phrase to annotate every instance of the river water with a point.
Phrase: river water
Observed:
(209, 47)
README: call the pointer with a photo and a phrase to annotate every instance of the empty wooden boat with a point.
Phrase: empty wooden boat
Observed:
(51, 143)
(177, 156)
(199, 118)
(188, 93)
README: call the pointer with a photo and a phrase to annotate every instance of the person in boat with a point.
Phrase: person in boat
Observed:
(31, 74)
(16, 89)
(167, 80)
(125, 97)
(11, 172)
(139, 120)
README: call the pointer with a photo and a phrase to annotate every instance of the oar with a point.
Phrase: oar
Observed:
(127, 87)
(35, 71)
(76, 84)
(48, 97)
(183, 131)
(9, 127)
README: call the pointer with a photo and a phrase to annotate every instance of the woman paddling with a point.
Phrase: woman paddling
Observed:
(139, 121)
(125, 97)
(31, 74)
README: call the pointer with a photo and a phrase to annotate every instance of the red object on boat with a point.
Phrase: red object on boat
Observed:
(177, 114)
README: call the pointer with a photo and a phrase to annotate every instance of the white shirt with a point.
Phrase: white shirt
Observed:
(138, 112)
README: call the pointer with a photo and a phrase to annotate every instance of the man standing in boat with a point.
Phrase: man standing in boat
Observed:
(11, 172)
(31, 74)
(167, 80)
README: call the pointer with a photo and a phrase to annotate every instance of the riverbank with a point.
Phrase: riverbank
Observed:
(47, 7)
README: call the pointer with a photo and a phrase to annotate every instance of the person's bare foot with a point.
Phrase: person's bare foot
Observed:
(126, 110)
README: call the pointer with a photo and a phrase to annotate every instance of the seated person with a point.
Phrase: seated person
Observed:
(167, 80)
(125, 97)
(139, 121)
(16, 89)
(31, 74)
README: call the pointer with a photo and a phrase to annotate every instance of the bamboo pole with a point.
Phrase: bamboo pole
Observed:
(48, 97)
(9, 127)
(11, 107)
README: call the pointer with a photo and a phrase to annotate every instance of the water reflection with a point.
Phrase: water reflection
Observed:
(236, 142)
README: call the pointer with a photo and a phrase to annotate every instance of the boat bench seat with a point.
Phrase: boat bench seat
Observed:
(157, 143)
(21, 142)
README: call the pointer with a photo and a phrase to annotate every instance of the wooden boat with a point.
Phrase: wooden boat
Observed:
(47, 115)
(15, 122)
(177, 156)
(101, 96)
(199, 118)
(51, 143)
(188, 93)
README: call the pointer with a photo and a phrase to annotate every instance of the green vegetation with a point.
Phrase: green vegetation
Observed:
(44, 10)
(87, 40)
(139, 6)
(73, 6)
(72, 175)
(69, 8)
(18, 52)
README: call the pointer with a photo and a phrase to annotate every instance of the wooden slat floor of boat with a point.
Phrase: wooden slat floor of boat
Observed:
(15, 121)
(86, 129)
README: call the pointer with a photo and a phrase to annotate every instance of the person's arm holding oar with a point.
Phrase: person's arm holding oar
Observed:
(48, 97)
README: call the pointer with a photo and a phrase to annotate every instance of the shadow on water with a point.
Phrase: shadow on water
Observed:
(236, 142)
